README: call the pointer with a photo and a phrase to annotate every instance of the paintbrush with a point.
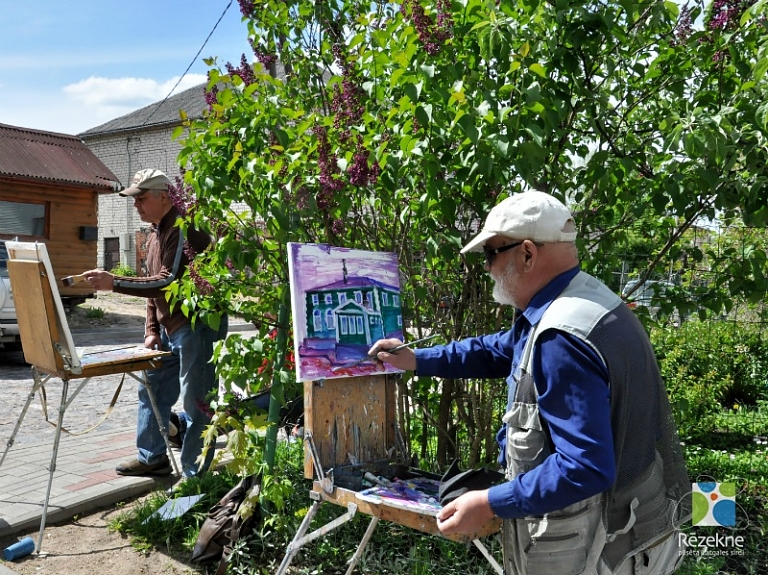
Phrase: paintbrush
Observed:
(390, 350)
(72, 280)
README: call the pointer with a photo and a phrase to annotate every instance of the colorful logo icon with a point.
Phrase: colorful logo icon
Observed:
(714, 504)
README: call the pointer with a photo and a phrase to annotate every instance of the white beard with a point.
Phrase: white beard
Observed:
(501, 285)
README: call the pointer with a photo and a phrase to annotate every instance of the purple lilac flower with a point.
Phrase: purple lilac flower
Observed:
(431, 34)
(330, 180)
(244, 71)
(266, 58)
(182, 195)
(246, 7)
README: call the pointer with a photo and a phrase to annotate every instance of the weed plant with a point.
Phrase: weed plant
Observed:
(123, 270)
(94, 312)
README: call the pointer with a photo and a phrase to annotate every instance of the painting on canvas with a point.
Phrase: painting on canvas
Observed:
(343, 300)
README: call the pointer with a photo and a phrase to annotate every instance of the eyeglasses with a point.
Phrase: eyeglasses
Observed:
(491, 253)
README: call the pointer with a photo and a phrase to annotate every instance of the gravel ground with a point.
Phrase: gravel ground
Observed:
(120, 325)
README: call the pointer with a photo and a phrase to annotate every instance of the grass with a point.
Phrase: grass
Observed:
(175, 536)
(94, 312)
(735, 450)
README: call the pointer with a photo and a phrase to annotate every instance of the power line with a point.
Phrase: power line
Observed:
(190, 64)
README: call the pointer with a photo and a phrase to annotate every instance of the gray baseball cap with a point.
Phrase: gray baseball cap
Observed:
(144, 180)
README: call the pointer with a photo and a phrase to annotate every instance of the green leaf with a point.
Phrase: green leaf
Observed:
(428, 70)
(760, 69)
(467, 123)
(538, 69)
(761, 115)
(424, 115)
(413, 91)
(500, 143)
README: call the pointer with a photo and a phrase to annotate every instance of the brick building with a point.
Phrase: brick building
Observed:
(138, 140)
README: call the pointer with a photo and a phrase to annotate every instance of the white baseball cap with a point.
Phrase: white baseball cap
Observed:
(534, 216)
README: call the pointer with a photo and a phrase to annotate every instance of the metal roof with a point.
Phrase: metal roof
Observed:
(51, 157)
(165, 112)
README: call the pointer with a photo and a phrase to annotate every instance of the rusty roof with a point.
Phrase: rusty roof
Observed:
(50, 157)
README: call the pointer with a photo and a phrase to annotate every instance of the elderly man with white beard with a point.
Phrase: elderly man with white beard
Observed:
(595, 477)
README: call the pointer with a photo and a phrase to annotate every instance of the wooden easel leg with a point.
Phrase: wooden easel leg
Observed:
(355, 559)
(38, 383)
(54, 455)
(160, 424)
(292, 547)
(487, 554)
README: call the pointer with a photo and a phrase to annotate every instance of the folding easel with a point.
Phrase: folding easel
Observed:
(49, 349)
(350, 427)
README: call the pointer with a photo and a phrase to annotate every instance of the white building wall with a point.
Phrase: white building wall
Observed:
(125, 154)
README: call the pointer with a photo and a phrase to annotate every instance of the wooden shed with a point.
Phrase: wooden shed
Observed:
(49, 189)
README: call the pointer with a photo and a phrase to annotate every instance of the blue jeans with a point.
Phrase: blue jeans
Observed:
(188, 373)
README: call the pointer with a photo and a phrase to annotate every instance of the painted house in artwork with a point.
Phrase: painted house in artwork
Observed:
(343, 301)
(354, 311)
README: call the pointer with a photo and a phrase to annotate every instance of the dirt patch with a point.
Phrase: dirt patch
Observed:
(84, 546)
(108, 310)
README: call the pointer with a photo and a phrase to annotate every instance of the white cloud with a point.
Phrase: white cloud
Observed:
(121, 92)
(77, 107)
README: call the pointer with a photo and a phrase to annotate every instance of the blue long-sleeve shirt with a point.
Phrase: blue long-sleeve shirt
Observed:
(574, 400)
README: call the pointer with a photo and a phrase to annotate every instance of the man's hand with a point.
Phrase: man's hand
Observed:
(404, 359)
(153, 342)
(465, 515)
(99, 279)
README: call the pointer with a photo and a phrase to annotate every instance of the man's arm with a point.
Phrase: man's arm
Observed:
(482, 357)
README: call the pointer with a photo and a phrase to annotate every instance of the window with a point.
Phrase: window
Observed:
(328, 298)
(384, 298)
(359, 297)
(111, 253)
(330, 322)
(360, 326)
(343, 324)
(21, 219)
(352, 329)
(399, 321)
(396, 300)
(315, 299)
(317, 322)
(342, 298)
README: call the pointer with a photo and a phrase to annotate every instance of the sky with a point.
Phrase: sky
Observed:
(70, 65)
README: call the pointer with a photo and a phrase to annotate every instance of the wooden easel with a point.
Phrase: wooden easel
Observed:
(49, 349)
(351, 421)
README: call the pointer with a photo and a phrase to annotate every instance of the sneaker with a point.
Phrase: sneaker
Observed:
(135, 467)
(174, 429)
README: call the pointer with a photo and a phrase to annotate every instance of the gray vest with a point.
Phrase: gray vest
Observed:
(650, 497)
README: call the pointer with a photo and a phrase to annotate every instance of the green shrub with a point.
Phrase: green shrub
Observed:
(710, 366)
(94, 312)
(123, 270)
